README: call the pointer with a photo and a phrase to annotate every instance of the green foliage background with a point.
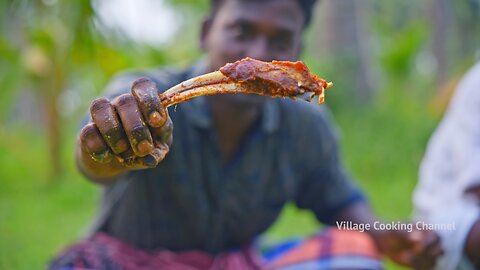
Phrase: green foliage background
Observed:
(42, 211)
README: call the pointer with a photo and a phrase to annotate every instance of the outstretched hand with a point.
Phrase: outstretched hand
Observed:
(133, 131)
(416, 249)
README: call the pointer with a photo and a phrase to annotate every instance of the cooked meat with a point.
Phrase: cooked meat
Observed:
(250, 76)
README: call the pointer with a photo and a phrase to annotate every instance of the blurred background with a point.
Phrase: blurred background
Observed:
(395, 65)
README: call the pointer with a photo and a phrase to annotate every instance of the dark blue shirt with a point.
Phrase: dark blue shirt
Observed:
(194, 201)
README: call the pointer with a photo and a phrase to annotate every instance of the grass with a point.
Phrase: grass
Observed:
(382, 146)
(38, 215)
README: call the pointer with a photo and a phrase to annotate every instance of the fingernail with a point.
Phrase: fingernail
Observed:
(149, 161)
(144, 147)
(163, 147)
(121, 145)
(155, 157)
(155, 119)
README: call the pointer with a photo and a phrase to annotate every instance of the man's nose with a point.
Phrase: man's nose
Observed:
(258, 49)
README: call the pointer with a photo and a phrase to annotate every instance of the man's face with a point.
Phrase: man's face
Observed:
(264, 30)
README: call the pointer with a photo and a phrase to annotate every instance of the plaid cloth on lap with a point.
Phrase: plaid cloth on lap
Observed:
(103, 252)
(332, 249)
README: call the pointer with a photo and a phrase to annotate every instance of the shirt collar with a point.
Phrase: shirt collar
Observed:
(200, 115)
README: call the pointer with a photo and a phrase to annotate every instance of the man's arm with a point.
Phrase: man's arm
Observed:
(472, 244)
(450, 171)
(417, 249)
(131, 132)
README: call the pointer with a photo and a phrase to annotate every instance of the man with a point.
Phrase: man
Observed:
(449, 188)
(232, 163)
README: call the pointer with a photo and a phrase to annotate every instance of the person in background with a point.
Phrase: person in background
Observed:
(448, 191)
(227, 170)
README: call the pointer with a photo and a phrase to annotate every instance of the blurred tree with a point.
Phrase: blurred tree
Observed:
(11, 71)
(442, 23)
(342, 33)
(48, 34)
(466, 30)
(61, 51)
(455, 40)
(54, 46)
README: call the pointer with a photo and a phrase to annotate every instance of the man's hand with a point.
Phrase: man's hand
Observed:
(472, 244)
(417, 249)
(131, 132)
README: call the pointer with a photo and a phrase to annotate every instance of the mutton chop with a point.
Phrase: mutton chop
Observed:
(246, 76)
(250, 76)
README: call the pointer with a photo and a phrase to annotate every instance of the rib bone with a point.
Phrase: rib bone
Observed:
(250, 76)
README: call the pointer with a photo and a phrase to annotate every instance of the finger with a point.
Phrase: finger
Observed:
(435, 249)
(146, 93)
(129, 160)
(427, 258)
(426, 240)
(414, 241)
(404, 258)
(132, 121)
(432, 238)
(106, 119)
(92, 142)
(163, 135)
(414, 236)
(424, 262)
(157, 155)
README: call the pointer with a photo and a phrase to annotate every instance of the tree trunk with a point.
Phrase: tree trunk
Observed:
(442, 20)
(54, 136)
(343, 34)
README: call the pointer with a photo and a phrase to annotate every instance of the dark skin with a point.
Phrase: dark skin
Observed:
(265, 30)
(472, 243)
(417, 249)
(118, 131)
(238, 30)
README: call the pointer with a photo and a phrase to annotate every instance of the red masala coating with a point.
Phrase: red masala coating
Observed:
(250, 76)
(276, 78)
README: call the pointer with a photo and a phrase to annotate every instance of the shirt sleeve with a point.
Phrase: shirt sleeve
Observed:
(326, 188)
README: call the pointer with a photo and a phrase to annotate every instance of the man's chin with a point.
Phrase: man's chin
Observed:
(243, 100)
